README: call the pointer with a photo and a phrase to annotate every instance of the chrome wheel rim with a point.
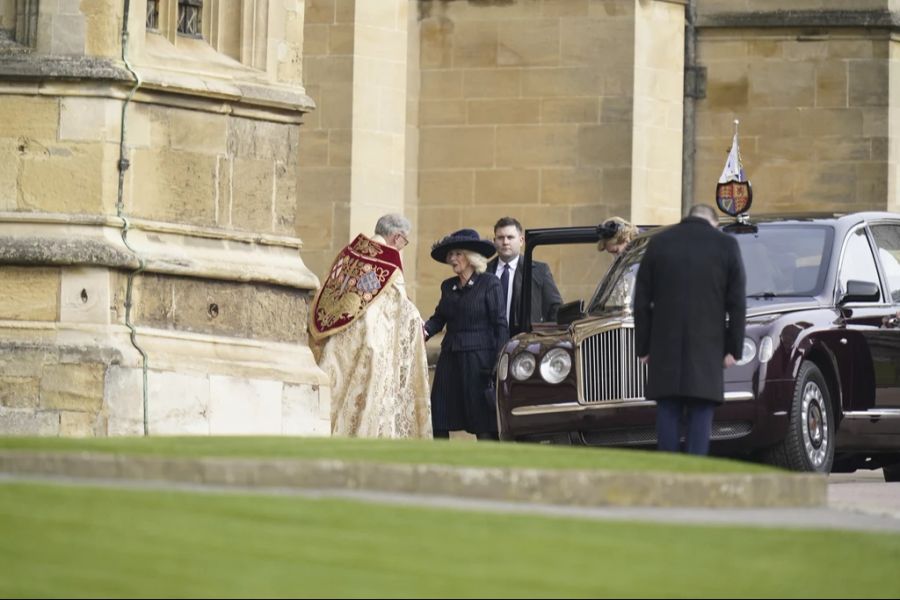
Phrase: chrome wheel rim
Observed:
(814, 422)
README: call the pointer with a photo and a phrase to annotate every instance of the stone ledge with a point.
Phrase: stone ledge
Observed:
(823, 18)
(558, 487)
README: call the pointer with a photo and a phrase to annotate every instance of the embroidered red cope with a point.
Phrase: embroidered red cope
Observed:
(359, 274)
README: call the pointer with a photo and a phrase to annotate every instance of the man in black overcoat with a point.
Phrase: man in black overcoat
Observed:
(545, 298)
(690, 279)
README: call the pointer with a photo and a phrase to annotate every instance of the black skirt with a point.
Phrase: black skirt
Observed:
(458, 400)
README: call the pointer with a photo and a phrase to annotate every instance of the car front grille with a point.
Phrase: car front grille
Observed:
(609, 367)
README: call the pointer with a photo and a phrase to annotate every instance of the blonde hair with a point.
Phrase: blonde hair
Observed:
(624, 234)
(478, 262)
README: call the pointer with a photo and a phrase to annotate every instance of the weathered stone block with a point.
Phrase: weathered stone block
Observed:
(29, 293)
(453, 188)
(29, 117)
(536, 146)
(306, 410)
(487, 83)
(221, 308)
(19, 392)
(571, 110)
(528, 42)
(244, 406)
(565, 8)
(795, 84)
(831, 84)
(475, 44)
(485, 112)
(74, 386)
(563, 82)
(456, 147)
(89, 120)
(313, 151)
(336, 105)
(340, 40)
(340, 148)
(869, 83)
(185, 412)
(9, 173)
(85, 295)
(436, 43)
(123, 401)
(513, 186)
(571, 186)
(315, 39)
(285, 199)
(17, 421)
(319, 11)
(442, 112)
(260, 140)
(253, 195)
(443, 84)
(185, 194)
(76, 424)
(83, 178)
(605, 145)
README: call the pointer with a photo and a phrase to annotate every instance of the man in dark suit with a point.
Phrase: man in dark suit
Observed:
(690, 279)
(545, 299)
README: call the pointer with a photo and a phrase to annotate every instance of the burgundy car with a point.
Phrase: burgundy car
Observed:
(817, 388)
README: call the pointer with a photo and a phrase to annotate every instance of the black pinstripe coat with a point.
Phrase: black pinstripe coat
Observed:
(474, 316)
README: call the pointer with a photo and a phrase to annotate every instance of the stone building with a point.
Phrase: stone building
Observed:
(207, 171)
(151, 278)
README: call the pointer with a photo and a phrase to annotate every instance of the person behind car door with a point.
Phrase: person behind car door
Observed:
(690, 279)
(507, 266)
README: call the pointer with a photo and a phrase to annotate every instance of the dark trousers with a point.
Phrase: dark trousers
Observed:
(698, 417)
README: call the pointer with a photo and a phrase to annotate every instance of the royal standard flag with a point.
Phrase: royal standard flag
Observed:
(734, 170)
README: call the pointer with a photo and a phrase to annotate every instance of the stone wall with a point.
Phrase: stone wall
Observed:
(813, 92)
(532, 108)
(176, 302)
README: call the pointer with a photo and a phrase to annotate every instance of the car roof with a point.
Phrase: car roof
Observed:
(823, 217)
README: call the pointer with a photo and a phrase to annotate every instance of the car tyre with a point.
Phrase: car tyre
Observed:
(809, 444)
(891, 472)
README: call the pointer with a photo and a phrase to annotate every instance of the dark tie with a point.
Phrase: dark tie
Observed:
(504, 283)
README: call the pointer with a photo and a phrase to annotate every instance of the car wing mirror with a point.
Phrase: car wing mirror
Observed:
(570, 312)
(861, 291)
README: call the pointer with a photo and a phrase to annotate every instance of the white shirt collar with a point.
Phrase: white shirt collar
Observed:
(513, 264)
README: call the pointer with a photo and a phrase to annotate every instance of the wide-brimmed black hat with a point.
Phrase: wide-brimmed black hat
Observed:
(464, 239)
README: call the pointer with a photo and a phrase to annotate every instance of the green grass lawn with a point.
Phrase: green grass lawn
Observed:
(393, 451)
(61, 541)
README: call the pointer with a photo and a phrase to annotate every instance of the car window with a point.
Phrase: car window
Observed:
(616, 290)
(780, 260)
(858, 263)
(887, 239)
(784, 260)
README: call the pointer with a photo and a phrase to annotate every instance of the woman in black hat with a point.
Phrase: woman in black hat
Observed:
(473, 310)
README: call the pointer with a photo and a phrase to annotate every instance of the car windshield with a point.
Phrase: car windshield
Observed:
(780, 261)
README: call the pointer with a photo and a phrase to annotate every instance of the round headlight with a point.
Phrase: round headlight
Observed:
(503, 367)
(748, 353)
(766, 349)
(523, 366)
(555, 365)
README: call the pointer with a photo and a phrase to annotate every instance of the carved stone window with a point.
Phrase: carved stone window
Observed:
(26, 22)
(153, 15)
(190, 17)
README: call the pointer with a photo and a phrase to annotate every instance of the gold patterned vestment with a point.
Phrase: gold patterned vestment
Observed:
(374, 348)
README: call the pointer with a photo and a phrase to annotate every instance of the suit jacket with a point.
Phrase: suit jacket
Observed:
(474, 316)
(690, 278)
(545, 297)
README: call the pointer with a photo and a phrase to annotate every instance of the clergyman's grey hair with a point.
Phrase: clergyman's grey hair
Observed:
(704, 211)
(390, 224)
